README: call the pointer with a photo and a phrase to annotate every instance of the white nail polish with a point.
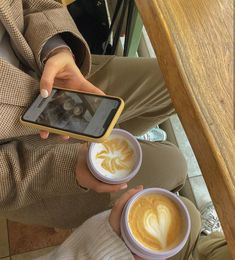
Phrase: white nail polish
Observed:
(44, 93)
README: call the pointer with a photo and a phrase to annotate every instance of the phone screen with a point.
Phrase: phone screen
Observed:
(76, 112)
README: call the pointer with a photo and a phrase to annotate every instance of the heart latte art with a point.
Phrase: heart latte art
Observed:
(115, 157)
(156, 222)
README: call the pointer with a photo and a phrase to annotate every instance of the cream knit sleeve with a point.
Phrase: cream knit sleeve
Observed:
(94, 239)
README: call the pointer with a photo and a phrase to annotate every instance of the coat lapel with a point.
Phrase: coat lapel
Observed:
(18, 41)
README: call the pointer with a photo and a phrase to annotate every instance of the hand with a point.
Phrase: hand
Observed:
(61, 70)
(87, 180)
(115, 216)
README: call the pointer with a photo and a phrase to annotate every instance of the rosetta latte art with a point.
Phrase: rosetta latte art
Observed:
(116, 155)
(156, 222)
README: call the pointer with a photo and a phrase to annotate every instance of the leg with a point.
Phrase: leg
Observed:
(187, 251)
(67, 211)
(213, 247)
(139, 82)
(163, 166)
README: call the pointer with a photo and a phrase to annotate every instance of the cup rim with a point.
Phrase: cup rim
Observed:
(136, 167)
(173, 196)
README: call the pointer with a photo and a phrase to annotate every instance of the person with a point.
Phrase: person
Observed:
(47, 181)
(100, 238)
(40, 180)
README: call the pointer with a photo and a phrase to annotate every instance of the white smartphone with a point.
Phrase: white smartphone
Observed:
(80, 115)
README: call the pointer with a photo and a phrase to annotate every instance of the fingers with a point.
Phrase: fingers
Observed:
(101, 187)
(115, 216)
(44, 134)
(47, 79)
(87, 86)
(86, 179)
(65, 137)
(120, 203)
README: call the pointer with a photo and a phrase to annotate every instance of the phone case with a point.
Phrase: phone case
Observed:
(78, 136)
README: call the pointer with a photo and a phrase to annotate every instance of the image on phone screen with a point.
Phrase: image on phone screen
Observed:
(77, 112)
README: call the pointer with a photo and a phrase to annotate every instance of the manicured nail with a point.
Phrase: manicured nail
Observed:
(44, 93)
(124, 186)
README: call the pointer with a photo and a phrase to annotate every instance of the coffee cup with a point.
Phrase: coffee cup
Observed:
(117, 159)
(155, 224)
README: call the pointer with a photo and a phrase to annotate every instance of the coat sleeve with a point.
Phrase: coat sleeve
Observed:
(46, 18)
(33, 169)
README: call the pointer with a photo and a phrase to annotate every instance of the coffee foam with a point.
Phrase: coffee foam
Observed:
(114, 158)
(156, 222)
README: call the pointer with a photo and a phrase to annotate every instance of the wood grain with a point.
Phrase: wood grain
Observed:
(193, 41)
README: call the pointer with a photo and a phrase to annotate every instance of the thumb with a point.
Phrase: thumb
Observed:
(115, 215)
(47, 79)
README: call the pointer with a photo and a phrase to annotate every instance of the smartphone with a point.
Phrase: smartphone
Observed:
(80, 115)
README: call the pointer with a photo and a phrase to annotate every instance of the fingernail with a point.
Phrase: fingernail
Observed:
(45, 136)
(44, 93)
(139, 187)
(123, 187)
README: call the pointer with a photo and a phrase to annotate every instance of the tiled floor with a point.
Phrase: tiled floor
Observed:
(24, 242)
(195, 177)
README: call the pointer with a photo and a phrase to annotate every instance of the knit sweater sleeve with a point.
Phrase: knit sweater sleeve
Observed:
(95, 239)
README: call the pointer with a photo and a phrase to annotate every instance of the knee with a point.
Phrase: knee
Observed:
(195, 218)
(179, 165)
(167, 161)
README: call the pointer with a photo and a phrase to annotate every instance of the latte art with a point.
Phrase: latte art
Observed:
(158, 226)
(114, 157)
(156, 222)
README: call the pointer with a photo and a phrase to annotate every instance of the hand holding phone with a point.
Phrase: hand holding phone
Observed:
(80, 115)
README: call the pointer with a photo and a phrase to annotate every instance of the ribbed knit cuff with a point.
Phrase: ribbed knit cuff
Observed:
(104, 242)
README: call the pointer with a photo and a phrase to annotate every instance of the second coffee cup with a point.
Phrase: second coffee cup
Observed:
(116, 160)
(155, 224)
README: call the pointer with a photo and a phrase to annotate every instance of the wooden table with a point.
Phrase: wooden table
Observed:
(193, 41)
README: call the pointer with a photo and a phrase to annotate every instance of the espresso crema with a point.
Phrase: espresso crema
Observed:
(156, 222)
(114, 158)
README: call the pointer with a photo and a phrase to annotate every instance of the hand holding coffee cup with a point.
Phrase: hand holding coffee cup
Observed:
(117, 159)
(116, 212)
(87, 180)
(155, 224)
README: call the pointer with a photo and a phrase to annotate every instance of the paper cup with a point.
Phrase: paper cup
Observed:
(139, 248)
(127, 147)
